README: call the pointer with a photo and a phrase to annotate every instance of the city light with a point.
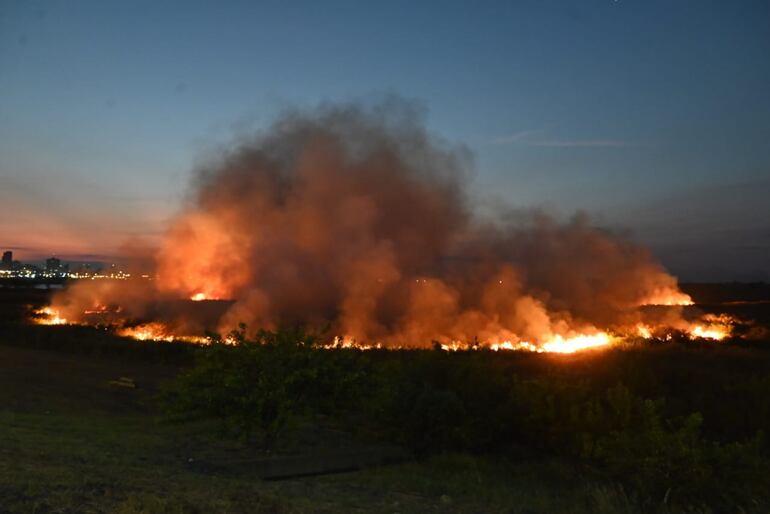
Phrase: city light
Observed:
(54, 271)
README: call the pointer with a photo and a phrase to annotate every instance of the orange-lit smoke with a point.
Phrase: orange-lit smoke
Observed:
(359, 217)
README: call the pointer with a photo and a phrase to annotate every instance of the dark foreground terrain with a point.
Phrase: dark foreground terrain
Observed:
(94, 423)
(72, 443)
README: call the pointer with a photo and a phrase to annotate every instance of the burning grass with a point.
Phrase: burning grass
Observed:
(707, 327)
(48, 316)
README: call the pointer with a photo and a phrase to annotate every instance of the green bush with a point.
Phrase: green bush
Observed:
(434, 401)
(258, 386)
(661, 459)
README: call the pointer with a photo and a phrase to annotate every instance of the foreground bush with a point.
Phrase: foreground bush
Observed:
(434, 401)
(259, 386)
(661, 459)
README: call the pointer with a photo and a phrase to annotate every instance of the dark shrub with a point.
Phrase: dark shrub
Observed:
(260, 385)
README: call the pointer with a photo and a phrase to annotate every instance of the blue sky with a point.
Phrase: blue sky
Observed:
(651, 116)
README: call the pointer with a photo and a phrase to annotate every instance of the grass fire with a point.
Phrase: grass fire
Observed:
(359, 218)
(384, 257)
(331, 309)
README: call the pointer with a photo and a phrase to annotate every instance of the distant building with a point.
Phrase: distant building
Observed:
(52, 265)
(7, 262)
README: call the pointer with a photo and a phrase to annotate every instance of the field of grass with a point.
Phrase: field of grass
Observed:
(73, 440)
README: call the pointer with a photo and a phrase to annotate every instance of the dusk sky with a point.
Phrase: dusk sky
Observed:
(652, 117)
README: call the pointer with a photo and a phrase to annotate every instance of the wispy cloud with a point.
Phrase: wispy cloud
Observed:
(575, 143)
(535, 138)
(515, 137)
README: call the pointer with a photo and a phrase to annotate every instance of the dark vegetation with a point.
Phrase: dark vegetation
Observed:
(677, 424)
(649, 427)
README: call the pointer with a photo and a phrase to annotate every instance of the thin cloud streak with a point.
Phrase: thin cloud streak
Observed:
(516, 137)
(524, 138)
(578, 143)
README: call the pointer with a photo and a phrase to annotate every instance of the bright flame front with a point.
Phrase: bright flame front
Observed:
(49, 316)
(573, 344)
(147, 332)
(559, 344)
(709, 326)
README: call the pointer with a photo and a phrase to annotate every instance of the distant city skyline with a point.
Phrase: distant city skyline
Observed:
(649, 116)
(9, 256)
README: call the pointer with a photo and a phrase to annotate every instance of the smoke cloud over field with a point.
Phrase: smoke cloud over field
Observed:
(357, 216)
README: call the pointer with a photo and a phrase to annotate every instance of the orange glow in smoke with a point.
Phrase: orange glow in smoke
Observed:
(201, 259)
(668, 297)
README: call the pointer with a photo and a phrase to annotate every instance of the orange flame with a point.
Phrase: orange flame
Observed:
(709, 332)
(644, 331)
(148, 332)
(49, 316)
(559, 344)
(710, 326)
(576, 343)
(349, 342)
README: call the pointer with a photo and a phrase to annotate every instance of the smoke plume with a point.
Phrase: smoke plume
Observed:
(357, 216)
